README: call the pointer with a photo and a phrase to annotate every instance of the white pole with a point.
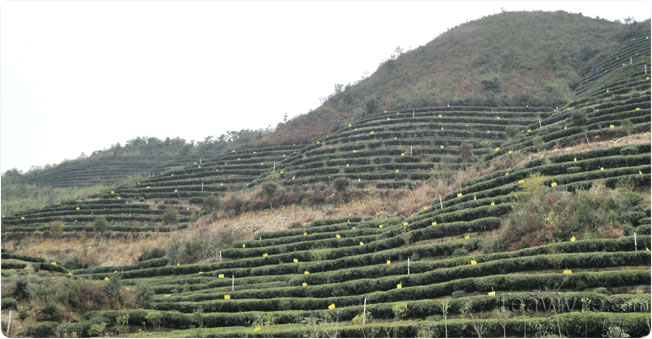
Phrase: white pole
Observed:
(364, 312)
(9, 324)
(274, 166)
(202, 186)
(200, 161)
(220, 255)
(635, 247)
(539, 123)
(645, 69)
(441, 204)
(410, 150)
(630, 60)
(408, 266)
(413, 113)
(232, 282)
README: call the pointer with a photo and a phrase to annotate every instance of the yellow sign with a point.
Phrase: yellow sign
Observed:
(257, 328)
(380, 226)
(568, 272)
(337, 236)
(492, 293)
(77, 208)
(106, 278)
(243, 245)
(493, 204)
(425, 208)
(361, 243)
(612, 126)
(521, 181)
(265, 255)
(459, 195)
(467, 237)
(405, 223)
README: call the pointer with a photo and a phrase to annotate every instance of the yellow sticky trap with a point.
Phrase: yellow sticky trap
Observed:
(305, 234)
(509, 152)
(602, 168)
(529, 130)
(474, 198)
(361, 243)
(612, 126)
(441, 115)
(200, 272)
(554, 184)
(106, 279)
(434, 223)
(337, 236)
(397, 171)
(257, 328)
(293, 177)
(227, 297)
(232, 151)
(405, 223)
(304, 284)
(178, 264)
(176, 190)
(425, 208)
(399, 286)
(637, 109)
(283, 155)
(317, 142)
(402, 154)
(389, 262)
(358, 179)
(521, 181)
(467, 237)
(349, 125)
(221, 184)
(354, 151)
(497, 118)
(388, 118)
(568, 272)
(565, 128)
(53, 263)
(70, 274)
(473, 262)
(265, 255)
(574, 159)
(112, 192)
(282, 171)
(22, 218)
(221, 276)
(372, 132)
(497, 148)
(306, 272)
(198, 166)
(347, 165)
(380, 226)
(238, 159)
(607, 91)
(572, 239)
(441, 146)
(459, 195)
(243, 245)
(331, 306)
(492, 293)
(77, 208)
(506, 173)
(488, 132)
(296, 261)
(187, 208)
(640, 172)
(172, 174)
(442, 128)
(493, 204)
(147, 187)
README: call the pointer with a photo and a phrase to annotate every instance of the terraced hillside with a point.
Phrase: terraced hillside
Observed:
(425, 275)
(139, 208)
(405, 148)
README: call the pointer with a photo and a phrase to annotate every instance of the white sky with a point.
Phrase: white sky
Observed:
(79, 76)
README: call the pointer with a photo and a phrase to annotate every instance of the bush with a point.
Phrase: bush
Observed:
(21, 291)
(49, 312)
(42, 330)
(457, 294)
(152, 253)
(211, 204)
(101, 225)
(511, 131)
(73, 262)
(144, 296)
(196, 201)
(9, 304)
(56, 228)
(169, 217)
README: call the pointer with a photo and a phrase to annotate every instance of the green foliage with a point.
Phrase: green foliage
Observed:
(144, 296)
(628, 126)
(169, 217)
(152, 253)
(21, 291)
(97, 330)
(9, 304)
(211, 204)
(511, 131)
(56, 228)
(538, 143)
(553, 215)
(49, 312)
(269, 189)
(101, 225)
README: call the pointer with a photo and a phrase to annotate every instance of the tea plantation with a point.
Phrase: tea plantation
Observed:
(452, 268)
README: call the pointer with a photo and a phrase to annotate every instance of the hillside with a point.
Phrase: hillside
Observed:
(508, 59)
(461, 219)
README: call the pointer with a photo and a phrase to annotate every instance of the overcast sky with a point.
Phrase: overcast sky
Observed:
(80, 76)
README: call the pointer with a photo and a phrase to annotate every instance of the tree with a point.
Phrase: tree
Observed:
(169, 217)
(371, 106)
(538, 143)
(579, 119)
(101, 225)
(211, 204)
(269, 189)
(56, 228)
(466, 152)
(511, 131)
(341, 185)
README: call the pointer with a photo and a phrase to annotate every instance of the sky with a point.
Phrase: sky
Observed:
(79, 76)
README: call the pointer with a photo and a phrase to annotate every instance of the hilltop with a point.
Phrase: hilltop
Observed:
(513, 58)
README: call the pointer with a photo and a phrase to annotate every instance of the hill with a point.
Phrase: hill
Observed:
(508, 59)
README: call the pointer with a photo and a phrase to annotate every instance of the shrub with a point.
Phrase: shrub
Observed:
(56, 228)
(196, 201)
(538, 143)
(101, 225)
(152, 253)
(73, 262)
(144, 296)
(628, 126)
(21, 291)
(9, 304)
(49, 312)
(457, 294)
(269, 190)
(42, 330)
(511, 131)
(169, 217)
(211, 204)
